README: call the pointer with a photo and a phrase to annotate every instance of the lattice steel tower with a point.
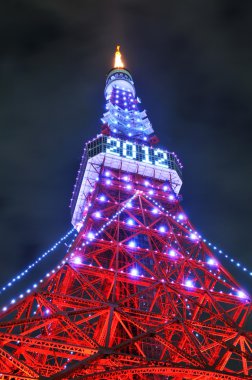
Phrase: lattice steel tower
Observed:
(139, 294)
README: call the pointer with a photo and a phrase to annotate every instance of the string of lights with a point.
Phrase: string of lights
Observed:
(90, 237)
(30, 267)
(195, 235)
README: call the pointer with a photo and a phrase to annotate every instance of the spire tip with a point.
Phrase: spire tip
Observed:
(118, 58)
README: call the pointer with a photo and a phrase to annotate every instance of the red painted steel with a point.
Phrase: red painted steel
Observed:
(141, 300)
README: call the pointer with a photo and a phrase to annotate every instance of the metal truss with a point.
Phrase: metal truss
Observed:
(137, 298)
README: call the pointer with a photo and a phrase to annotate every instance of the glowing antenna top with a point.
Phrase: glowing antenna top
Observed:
(118, 60)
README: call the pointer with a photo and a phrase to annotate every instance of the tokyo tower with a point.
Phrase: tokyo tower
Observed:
(139, 294)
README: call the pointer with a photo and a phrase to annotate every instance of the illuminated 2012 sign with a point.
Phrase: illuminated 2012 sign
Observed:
(138, 152)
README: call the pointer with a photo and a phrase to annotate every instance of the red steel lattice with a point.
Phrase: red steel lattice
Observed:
(120, 309)
(139, 294)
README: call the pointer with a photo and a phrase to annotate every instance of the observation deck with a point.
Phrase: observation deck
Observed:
(128, 156)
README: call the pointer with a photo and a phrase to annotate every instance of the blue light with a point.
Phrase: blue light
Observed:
(189, 283)
(165, 188)
(193, 236)
(90, 235)
(102, 198)
(241, 294)
(134, 272)
(212, 262)
(77, 260)
(172, 253)
(162, 229)
(132, 244)
(107, 174)
(181, 216)
(130, 222)
(155, 211)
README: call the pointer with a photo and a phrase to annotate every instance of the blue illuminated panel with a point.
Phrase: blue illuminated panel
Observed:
(134, 151)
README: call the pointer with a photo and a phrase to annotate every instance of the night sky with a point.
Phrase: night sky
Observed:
(192, 66)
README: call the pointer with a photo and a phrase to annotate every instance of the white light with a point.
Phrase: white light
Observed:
(193, 236)
(130, 222)
(129, 204)
(172, 253)
(98, 214)
(189, 283)
(108, 181)
(165, 188)
(90, 235)
(47, 311)
(181, 216)
(162, 229)
(77, 260)
(171, 197)
(151, 192)
(129, 186)
(125, 178)
(241, 294)
(134, 272)
(132, 244)
(155, 211)
(146, 183)
(211, 262)
(102, 198)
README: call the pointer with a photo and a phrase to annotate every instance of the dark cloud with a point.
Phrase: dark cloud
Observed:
(191, 61)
